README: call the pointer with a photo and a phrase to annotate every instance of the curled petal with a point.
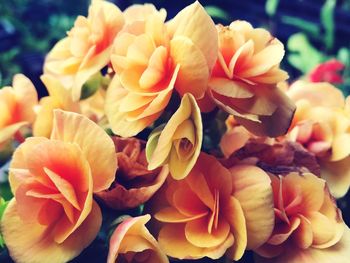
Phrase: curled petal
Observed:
(194, 23)
(132, 237)
(252, 188)
(337, 253)
(179, 141)
(96, 145)
(37, 244)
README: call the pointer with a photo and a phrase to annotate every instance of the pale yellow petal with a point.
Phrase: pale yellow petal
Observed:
(252, 188)
(194, 72)
(37, 245)
(193, 22)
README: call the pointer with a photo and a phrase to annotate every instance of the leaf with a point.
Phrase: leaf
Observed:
(91, 86)
(308, 27)
(218, 13)
(271, 7)
(327, 19)
(3, 205)
(344, 56)
(5, 190)
(303, 55)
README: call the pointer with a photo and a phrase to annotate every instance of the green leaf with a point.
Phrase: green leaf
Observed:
(304, 25)
(271, 7)
(344, 56)
(5, 189)
(218, 13)
(327, 20)
(91, 86)
(3, 205)
(303, 55)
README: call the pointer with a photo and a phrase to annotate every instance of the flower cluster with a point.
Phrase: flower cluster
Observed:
(124, 146)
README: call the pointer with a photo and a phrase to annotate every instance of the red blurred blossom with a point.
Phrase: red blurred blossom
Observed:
(328, 71)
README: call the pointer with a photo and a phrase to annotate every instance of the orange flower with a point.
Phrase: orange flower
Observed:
(150, 58)
(306, 215)
(138, 12)
(244, 79)
(177, 143)
(214, 210)
(132, 242)
(87, 48)
(134, 184)
(59, 98)
(53, 181)
(322, 125)
(338, 253)
(16, 107)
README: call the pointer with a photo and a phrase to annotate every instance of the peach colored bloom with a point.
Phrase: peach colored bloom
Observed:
(322, 125)
(134, 184)
(53, 181)
(245, 76)
(16, 107)
(177, 143)
(214, 210)
(87, 48)
(138, 12)
(151, 58)
(132, 242)
(306, 215)
(59, 98)
(337, 253)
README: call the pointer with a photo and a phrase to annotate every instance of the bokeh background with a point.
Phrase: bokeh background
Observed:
(313, 31)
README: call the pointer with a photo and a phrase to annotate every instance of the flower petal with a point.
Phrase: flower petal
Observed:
(194, 73)
(193, 22)
(276, 124)
(97, 146)
(252, 188)
(37, 246)
(173, 242)
(235, 216)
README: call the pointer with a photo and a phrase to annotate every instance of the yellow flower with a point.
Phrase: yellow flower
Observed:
(322, 125)
(53, 215)
(245, 76)
(306, 218)
(151, 58)
(87, 48)
(59, 98)
(16, 107)
(132, 242)
(337, 253)
(216, 210)
(178, 143)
